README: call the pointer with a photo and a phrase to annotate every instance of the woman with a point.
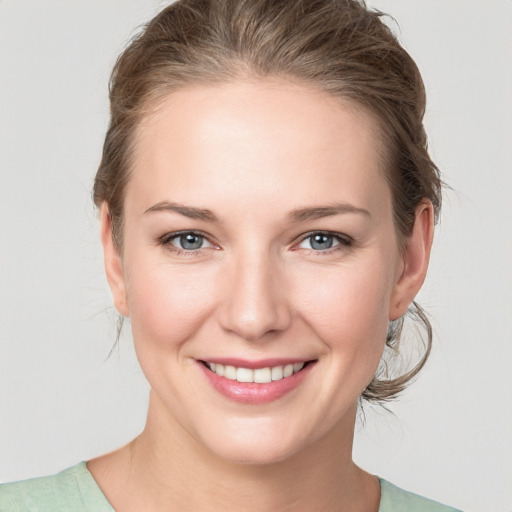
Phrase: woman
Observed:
(267, 208)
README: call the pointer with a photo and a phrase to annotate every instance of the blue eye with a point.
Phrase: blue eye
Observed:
(188, 241)
(320, 241)
(323, 241)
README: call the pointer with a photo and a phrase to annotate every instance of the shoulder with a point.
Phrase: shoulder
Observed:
(71, 489)
(394, 499)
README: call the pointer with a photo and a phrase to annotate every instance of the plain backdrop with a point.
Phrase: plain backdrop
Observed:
(62, 400)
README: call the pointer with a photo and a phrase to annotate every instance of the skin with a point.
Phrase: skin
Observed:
(253, 152)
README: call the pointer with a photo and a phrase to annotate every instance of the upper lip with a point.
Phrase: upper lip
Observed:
(254, 365)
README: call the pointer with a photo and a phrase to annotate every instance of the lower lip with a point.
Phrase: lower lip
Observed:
(255, 393)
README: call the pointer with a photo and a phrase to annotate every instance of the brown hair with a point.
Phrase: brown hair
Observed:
(337, 46)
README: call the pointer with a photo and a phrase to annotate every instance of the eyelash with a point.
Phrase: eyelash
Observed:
(166, 239)
(344, 242)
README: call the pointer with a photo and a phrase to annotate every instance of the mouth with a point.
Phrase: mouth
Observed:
(257, 375)
(263, 383)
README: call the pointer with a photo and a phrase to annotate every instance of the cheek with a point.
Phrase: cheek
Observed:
(167, 305)
(348, 306)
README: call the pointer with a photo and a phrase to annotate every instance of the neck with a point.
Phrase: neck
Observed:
(169, 470)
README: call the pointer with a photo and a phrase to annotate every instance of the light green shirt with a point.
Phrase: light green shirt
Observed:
(75, 490)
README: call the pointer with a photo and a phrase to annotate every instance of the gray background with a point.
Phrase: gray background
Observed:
(62, 401)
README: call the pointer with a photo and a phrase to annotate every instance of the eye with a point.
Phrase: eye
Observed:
(322, 241)
(189, 241)
(186, 241)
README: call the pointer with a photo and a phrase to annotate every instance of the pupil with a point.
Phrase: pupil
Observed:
(190, 241)
(321, 242)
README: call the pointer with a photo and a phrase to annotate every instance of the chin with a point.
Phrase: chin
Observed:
(256, 444)
(255, 453)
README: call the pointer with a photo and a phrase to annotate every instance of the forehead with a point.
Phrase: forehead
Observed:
(261, 141)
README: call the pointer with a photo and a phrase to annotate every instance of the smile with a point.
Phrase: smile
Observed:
(265, 382)
(259, 375)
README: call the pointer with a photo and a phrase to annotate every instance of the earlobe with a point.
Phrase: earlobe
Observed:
(113, 264)
(415, 261)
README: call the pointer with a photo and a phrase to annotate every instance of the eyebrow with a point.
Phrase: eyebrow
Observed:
(187, 211)
(318, 212)
(298, 215)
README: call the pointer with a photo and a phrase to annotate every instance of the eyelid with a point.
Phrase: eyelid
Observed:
(166, 240)
(344, 240)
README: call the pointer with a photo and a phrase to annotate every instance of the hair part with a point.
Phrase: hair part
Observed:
(337, 46)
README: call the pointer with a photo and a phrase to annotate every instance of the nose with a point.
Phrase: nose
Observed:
(255, 302)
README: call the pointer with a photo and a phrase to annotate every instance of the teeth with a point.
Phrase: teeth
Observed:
(260, 376)
(263, 375)
(288, 370)
(229, 372)
(244, 375)
(277, 373)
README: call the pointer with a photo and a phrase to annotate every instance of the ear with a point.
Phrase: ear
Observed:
(414, 260)
(113, 264)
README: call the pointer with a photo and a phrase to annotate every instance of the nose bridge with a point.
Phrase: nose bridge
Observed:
(255, 302)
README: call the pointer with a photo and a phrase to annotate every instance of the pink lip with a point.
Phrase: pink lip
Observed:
(251, 392)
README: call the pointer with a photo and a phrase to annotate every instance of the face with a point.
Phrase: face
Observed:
(260, 265)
